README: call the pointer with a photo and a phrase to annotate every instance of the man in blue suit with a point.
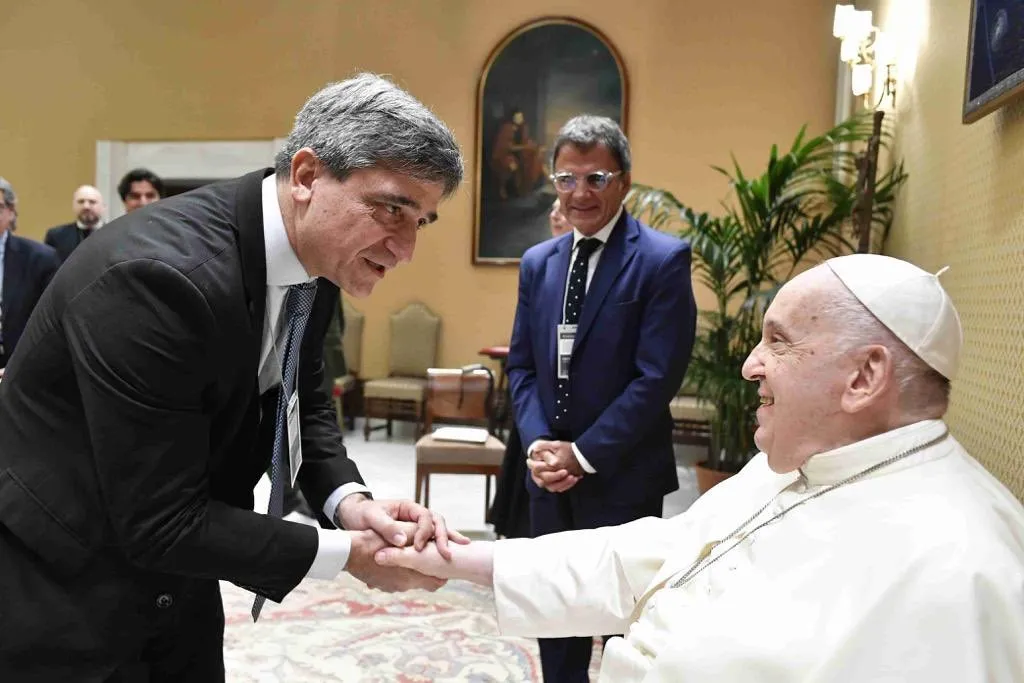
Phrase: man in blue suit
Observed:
(25, 269)
(603, 332)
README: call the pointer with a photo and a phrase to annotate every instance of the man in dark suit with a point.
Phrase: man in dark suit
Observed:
(87, 203)
(602, 337)
(25, 269)
(159, 387)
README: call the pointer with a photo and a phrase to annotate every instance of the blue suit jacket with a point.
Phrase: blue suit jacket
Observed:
(632, 347)
(28, 267)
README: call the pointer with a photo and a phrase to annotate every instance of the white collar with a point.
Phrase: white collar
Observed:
(283, 266)
(603, 234)
(3, 239)
(839, 463)
(83, 226)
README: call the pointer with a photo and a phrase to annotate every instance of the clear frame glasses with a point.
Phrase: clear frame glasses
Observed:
(595, 180)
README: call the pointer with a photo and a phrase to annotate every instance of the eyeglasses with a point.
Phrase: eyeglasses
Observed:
(596, 181)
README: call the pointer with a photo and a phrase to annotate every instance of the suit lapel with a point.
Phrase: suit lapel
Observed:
(14, 276)
(249, 214)
(555, 275)
(618, 252)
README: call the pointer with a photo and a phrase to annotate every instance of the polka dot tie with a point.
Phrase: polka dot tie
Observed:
(575, 294)
(298, 304)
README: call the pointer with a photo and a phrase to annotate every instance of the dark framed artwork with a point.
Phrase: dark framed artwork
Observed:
(537, 78)
(995, 56)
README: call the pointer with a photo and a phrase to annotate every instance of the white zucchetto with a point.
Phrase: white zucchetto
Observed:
(910, 302)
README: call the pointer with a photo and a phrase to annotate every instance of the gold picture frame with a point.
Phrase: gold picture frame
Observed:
(995, 57)
(539, 76)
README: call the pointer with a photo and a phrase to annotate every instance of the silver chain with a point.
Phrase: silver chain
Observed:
(697, 567)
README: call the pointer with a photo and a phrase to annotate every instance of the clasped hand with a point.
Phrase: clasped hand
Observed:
(553, 466)
(374, 525)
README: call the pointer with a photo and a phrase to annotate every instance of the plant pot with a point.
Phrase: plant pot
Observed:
(706, 477)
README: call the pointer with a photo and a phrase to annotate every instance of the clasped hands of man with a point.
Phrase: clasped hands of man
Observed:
(554, 466)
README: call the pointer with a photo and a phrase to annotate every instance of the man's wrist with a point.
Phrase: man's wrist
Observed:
(351, 499)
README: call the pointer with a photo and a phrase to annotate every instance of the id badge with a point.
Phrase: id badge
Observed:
(294, 438)
(565, 336)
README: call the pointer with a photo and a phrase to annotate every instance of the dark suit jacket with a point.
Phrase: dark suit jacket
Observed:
(65, 239)
(28, 267)
(632, 347)
(130, 429)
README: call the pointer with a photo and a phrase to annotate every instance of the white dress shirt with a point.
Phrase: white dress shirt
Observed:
(284, 270)
(602, 236)
(82, 227)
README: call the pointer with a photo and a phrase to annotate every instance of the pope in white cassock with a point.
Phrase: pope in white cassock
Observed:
(862, 544)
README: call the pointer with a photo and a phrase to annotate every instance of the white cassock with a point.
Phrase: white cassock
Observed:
(913, 574)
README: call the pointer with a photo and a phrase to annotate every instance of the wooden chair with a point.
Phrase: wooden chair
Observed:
(465, 396)
(691, 418)
(399, 396)
(348, 389)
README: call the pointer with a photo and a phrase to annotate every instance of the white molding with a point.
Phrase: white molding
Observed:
(178, 160)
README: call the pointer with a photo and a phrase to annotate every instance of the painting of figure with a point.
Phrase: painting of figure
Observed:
(538, 77)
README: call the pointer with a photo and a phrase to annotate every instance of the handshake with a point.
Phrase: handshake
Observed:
(374, 526)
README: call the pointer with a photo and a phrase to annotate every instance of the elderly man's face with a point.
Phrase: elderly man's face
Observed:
(8, 213)
(87, 203)
(353, 231)
(801, 372)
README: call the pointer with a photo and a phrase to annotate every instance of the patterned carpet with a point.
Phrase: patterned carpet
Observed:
(341, 631)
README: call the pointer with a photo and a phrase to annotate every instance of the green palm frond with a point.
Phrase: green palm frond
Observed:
(797, 209)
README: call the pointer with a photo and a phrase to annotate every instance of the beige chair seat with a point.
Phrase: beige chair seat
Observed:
(689, 408)
(396, 388)
(431, 451)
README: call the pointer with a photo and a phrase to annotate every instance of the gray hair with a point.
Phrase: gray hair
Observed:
(10, 198)
(368, 121)
(922, 389)
(587, 130)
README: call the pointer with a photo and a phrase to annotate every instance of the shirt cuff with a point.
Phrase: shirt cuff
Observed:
(331, 554)
(587, 467)
(340, 493)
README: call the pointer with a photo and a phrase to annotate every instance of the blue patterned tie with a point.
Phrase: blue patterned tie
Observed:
(575, 293)
(298, 304)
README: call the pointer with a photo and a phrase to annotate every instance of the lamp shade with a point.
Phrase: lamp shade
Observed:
(849, 49)
(860, 83)
(841, 20)
(885, 50)
(859, 26)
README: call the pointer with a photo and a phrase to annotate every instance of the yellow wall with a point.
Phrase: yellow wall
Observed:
(962, 207)
(704, 77)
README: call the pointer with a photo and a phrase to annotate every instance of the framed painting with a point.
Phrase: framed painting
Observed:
(995, 56)
(537, 78)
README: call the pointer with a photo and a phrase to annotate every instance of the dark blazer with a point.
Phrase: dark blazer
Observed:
(28, 267)
(64, 239)
(632, 347)
(131, 436)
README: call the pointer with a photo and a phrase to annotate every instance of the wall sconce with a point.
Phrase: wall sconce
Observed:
(864, 48)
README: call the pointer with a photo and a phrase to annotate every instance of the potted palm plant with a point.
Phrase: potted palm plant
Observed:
(793, 214)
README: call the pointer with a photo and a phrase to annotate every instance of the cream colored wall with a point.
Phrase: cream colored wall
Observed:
(962, 207)
(704, 77)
